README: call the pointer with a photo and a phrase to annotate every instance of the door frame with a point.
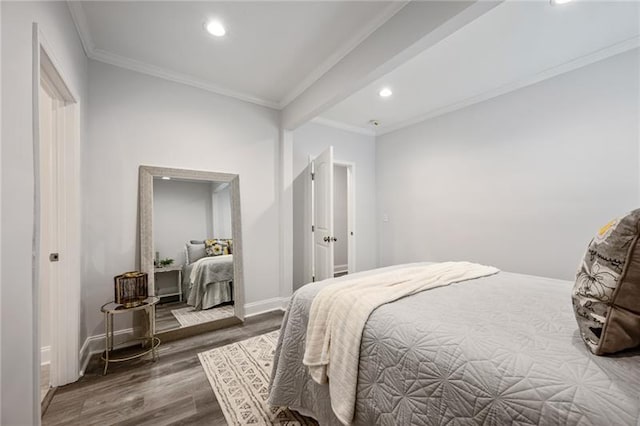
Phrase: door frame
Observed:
(64, 299)
(309, 222)
(351, 212)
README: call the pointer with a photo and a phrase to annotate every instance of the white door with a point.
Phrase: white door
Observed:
(49, 223)
(323, 215)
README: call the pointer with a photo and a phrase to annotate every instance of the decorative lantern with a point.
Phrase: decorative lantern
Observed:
(131, 289)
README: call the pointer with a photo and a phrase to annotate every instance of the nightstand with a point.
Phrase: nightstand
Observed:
(170, 268)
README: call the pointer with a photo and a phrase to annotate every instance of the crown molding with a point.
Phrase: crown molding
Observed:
(393, 8)
(343, 126)
(160, 72)
(82, 26)
(80, 20)
(582, 61)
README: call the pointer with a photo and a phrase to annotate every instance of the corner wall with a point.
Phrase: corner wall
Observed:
(522, 181)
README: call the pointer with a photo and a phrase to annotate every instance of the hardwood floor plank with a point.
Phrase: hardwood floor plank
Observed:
(171, 391)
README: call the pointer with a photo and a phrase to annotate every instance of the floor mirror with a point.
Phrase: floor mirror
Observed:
(191, 248)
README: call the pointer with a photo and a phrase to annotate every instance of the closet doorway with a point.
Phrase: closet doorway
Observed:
(342, 220)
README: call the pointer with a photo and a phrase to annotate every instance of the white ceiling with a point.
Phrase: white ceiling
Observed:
(515, 44)
(272, 51)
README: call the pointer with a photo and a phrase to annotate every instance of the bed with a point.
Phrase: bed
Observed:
(209, 281)
(503, 349)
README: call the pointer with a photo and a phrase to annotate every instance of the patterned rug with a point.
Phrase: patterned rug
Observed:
(239, 375)
(188, 316)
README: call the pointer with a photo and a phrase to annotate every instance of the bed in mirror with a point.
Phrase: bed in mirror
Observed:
(191, 248)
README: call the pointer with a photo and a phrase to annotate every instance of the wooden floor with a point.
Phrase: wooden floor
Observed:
(172, 391)
(164, 318)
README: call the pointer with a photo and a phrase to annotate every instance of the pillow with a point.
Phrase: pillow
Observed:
(216, 247)
(195, 252)
(230, 245)
(606, 295)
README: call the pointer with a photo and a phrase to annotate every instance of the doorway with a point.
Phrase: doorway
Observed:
(49, 273)
(56, 291)
(342, 228)
(332, 216)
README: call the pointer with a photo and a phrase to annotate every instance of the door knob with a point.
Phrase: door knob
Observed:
(326, 239)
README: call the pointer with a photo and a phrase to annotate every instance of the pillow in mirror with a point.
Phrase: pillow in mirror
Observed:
(195, 252)
(217, 247)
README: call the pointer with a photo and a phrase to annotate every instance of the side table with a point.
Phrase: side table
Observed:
(149, 342)
(170, 268)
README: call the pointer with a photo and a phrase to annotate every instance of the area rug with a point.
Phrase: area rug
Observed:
(239, 375)
(188, 316)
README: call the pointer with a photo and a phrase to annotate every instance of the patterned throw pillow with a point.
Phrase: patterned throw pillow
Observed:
(230, 245)
(216, 247)
(606, 295)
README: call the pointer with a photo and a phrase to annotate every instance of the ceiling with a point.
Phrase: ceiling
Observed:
(272, 51)
(513, 45)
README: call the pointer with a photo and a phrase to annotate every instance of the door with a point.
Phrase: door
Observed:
(49, 273)
(323, 215)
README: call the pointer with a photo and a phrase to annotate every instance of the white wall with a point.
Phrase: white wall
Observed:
(137, 119)
(522, 181)
(1, 132)
(19, 345)
(310, 140)
(340, 218)
(182, 211)
(221, 202)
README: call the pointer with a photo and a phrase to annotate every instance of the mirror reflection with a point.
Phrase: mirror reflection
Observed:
(193, 251)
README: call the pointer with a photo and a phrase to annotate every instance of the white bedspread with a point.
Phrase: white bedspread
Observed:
(339, 313)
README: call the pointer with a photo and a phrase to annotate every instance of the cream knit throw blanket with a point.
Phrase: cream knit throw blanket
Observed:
(339, 313)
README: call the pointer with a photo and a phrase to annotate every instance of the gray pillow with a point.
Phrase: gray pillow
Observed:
(195, 252)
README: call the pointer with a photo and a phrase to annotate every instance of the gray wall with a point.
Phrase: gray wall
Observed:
(182, 211)
(522, 181)
(221, 204)
(310, 140)
(19, 345)
(136, 119)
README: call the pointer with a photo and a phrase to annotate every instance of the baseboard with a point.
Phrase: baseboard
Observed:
(45, 355)
(95, 344)
(338, 269)
(264, 306)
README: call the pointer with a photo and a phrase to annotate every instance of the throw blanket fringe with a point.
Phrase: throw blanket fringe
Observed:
(340, 311)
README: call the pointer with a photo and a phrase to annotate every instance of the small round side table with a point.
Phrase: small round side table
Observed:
(149, 342)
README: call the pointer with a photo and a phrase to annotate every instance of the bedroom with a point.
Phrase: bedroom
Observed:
(499, 143)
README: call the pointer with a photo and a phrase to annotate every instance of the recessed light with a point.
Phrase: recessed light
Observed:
(215, 28)
(385, 93)
(166, 178)
(556, 2)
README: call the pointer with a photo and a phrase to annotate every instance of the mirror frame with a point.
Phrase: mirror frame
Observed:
(145, 199)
